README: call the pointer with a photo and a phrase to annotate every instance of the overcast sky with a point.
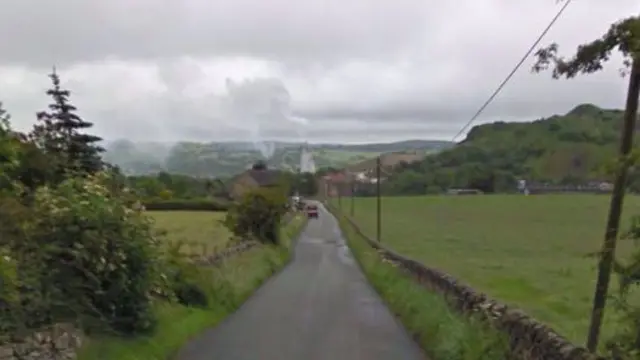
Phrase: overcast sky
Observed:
(318, 70)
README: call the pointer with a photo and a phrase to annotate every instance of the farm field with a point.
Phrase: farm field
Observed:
(201, 231)
(531, 252)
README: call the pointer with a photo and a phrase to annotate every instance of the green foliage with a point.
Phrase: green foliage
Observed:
(59, 134)
(83, 253)
(307, 185)
(9, 296)
(573, 148)
(187, 205)
(100, 251)
(34, 168)
(165, 186)
(622, 36)
(8, 149)
(258, 215)
(184, 279)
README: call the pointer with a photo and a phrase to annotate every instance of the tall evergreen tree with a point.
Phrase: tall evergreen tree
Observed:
(5, 140)
(4, 116)
(59, 133)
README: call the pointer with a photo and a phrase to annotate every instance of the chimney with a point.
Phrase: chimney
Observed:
(259, 166)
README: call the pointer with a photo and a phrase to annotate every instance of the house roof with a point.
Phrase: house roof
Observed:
(265, 177)
(336, 177)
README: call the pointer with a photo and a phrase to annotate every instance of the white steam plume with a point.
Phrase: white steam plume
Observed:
(259, 103)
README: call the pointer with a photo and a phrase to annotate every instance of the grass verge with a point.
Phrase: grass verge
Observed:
(443, 334)
(229, 285)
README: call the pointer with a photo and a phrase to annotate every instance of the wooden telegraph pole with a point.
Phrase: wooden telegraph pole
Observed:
(607, 254)
(379, 200)
(353, 186)
(339, 188)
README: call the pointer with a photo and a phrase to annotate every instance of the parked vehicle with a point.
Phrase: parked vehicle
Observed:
(312, 211)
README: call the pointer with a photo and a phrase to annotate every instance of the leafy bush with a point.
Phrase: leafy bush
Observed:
(97, 255)
(184, 279)
(8, 291)
(186, 205)
(258, 215)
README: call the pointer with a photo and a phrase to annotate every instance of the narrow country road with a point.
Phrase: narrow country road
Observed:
(320, 307)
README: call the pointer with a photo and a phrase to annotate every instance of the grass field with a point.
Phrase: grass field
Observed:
(528, 251)
(201, 231)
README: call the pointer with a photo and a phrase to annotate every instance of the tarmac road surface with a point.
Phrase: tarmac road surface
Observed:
(320, 307)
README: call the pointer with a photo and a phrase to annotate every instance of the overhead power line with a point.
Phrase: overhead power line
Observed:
(515, 69)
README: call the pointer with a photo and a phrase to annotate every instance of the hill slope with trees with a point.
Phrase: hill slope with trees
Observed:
(223, 159)
(574, 148)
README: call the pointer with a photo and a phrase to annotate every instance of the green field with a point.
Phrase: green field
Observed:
(200, 231)
(528, 251)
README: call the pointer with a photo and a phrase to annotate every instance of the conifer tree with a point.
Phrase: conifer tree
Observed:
(59, 133)
(4, 115)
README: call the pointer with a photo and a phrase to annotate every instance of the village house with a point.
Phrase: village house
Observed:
(257, 176)
(334, 184)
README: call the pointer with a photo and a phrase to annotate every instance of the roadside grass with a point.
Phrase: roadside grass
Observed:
(228, 286)
(201, 232)
(443, 334)
(527, 251)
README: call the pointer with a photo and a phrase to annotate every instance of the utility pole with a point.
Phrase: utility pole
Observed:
(339, 188)
(615, 208)
(379, 201)
(353, 187)
(326, 191)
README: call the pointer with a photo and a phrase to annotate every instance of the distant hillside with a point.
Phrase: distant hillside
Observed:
(399, 146)
(221, 159)
(563, 149)
(387, 160)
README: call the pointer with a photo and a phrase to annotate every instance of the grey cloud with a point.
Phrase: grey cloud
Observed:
(71, 31)
(356, 70)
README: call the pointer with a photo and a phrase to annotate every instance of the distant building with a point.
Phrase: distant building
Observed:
(307, 164)
(335, 184)
(464, 192)
(257, 176)
(594, 187)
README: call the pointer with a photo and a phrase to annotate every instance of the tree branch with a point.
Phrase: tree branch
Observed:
(623, 36)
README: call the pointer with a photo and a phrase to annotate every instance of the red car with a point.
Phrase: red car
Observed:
(312, 211)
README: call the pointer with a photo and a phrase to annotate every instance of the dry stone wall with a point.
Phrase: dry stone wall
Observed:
(58, 342)
(529, 338)
(219, 257)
